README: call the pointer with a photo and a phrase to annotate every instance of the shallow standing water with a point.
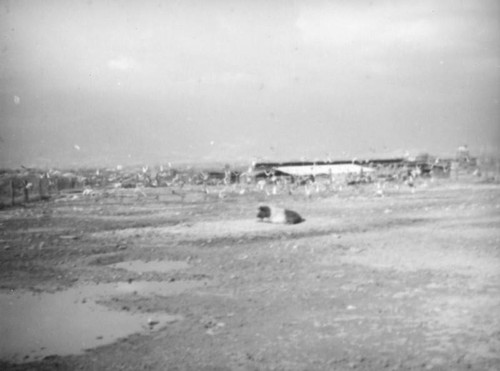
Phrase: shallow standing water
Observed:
(35, 325)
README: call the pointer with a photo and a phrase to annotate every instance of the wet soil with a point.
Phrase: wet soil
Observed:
(404, 280)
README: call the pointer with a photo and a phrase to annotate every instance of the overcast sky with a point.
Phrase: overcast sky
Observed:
(89, 82)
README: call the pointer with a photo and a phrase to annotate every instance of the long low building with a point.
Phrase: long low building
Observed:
(319, 168)
(316, 170)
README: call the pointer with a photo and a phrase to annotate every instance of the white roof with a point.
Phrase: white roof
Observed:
(323, 169)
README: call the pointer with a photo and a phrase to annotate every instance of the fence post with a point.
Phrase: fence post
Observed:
(26, 192)
(12, 197)
(40, 190)
(43, 187)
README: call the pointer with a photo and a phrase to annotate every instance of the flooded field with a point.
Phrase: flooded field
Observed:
(404, 279)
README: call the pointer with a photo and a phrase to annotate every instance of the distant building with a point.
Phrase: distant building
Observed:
(422, 164)
(323, 169)
(302, 169)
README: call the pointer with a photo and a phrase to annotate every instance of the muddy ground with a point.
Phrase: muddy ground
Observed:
(404, 280)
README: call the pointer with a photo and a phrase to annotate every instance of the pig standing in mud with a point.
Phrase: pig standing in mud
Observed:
(278, 215)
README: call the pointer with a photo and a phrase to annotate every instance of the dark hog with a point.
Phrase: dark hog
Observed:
(278, 215)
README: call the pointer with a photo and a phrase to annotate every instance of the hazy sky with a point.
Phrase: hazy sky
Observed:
(84, 82)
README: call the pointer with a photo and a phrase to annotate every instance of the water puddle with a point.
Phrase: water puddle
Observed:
(35, 325)
(161, 266)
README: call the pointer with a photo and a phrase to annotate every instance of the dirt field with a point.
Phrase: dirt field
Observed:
(407, 280)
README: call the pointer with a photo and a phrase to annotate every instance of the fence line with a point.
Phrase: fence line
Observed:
(20, 188)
